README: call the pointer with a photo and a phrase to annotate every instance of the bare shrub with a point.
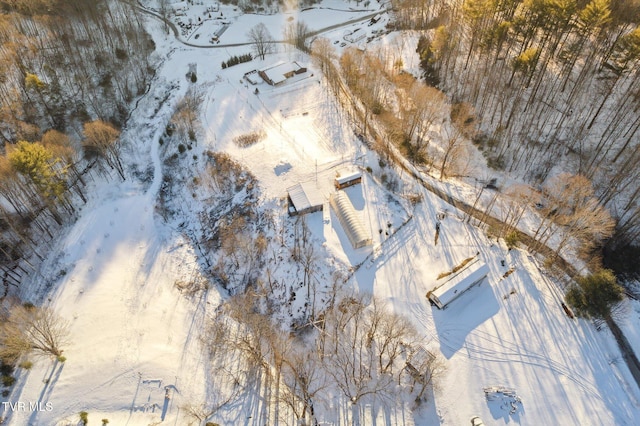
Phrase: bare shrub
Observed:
(456, 268)
(250, 138)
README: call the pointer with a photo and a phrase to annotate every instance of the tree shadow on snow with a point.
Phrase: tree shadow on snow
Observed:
(249, 408)
(601, 370)
(49, 384)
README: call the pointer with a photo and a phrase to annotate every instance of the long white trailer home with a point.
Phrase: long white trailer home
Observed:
(462, 281)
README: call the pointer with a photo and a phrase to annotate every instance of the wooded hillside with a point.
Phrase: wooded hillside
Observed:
(69, 71)
(553, 84)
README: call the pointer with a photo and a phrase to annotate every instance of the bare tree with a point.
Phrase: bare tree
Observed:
(424, 368)
(296, 33)
(262, 40)
(582, 217)
(163, 7)
(198, 413)
(250, 341)
(519, 198)
(186, 116)
(303, 252)
(570, 210)
(243, 251)
(391, 334)
(364, 349)
(303, 380)
(323, 54)
(227, 382)
(62, 147)
(451, 146)
(32, 329)
(420, 107)
(423, 104)
(101, 139)
(358, 347)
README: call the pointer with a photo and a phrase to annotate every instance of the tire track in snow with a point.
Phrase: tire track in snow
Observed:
(512, 353)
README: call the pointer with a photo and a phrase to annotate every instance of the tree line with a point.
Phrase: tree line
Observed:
(546, 80)
(68, 74)
(235, 60)
(356, 350)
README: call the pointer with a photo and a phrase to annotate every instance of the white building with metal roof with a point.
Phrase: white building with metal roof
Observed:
(459, 283)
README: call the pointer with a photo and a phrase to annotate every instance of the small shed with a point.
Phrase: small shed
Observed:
(350, 221)
(459, 283)
(252, 77)
(303, 199)
(347, 179)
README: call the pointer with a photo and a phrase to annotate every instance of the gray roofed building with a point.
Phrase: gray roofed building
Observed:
(303, 198)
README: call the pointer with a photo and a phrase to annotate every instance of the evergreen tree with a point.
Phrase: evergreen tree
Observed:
(37, 163)
(595, 294)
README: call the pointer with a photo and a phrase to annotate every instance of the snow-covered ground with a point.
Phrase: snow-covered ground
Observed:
(209, 23)
(135, 356)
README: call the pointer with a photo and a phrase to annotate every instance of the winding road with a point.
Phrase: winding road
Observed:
(311, 34)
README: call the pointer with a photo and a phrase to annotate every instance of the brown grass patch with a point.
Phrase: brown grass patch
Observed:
(249, 139)
(457, 268)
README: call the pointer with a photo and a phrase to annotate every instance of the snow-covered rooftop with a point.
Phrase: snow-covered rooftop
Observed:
(304, 197)
(348, 177)
(350, 220)
(279, 72)
(459, 283)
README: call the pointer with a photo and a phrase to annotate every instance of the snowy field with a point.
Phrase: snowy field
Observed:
(136, 357)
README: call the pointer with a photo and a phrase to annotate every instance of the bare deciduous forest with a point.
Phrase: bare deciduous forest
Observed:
(552, 87)
(69, 72)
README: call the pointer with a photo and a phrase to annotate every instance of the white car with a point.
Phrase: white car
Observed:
(476, 421)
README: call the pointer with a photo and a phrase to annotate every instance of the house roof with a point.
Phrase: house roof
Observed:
(459, 283)
(348, 177)
(276, 73)
(304, 196)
